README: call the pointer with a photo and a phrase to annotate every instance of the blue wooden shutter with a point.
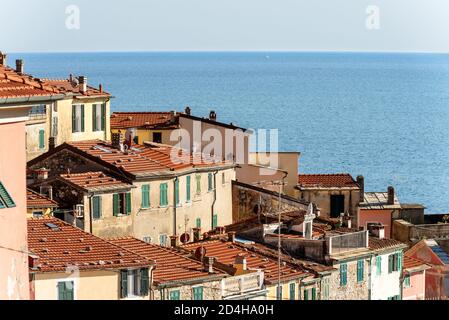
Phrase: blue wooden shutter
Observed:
(390, 263)
(198, 293)
(360, 264)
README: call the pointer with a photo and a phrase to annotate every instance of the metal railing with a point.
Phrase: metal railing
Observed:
(347, 242)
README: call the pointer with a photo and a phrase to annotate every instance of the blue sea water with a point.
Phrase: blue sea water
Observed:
(385, 116)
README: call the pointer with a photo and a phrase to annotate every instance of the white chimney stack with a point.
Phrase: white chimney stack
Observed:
(83, 84)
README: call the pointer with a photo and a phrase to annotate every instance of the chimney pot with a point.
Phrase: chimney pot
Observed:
(231, 236)
(212, 115)
(83, 84)
(19, 66)
(390, 199)
(100, 88)
(187, 110)
(361, 183)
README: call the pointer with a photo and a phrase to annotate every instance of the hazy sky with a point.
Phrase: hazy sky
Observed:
(215, 25)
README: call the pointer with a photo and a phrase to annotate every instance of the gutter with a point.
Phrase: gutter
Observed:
(32, 99)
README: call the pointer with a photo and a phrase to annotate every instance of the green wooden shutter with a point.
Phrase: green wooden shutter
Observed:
(177, 191)
(198, 184)
(306, 294)
(144, 281)
(360, 270)
(343, 274)
(292, 291)
(188, 188)
(146, 196)
(198, 222)
(379, 265)
(174, 295)
(399, 261)
(124, 283)
(313, 293)
(209, 182)
(94, 117)
(82, 118)
(61, 291)
(69, 288)
(128, 202)
(103, 117)
(390, 263)
(163, 198)
(198, 293)
(96, 207)
(214, 221)
(116, 204)
(41, 139)
(5, 197)
(73, 118)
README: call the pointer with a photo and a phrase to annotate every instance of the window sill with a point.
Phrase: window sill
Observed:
(163, 207)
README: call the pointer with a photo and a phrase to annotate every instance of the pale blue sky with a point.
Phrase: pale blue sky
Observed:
(221, 25)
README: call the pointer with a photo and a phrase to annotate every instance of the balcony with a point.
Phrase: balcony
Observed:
(237, 287)
(343, 243)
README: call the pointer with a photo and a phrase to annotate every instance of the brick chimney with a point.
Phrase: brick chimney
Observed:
(19, 66)
(390, 199)
(212, 115)
(116, 140)
(2, 58)
(83, 84)
(231, 236)
(361, 183)
(208, 264)
(187, 110)
(240, 264)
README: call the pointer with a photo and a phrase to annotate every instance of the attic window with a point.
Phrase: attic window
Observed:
(52, 226)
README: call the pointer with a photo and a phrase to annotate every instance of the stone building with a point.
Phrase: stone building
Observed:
(141, 192)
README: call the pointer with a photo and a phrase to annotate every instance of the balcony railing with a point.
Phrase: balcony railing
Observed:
(242, 284)
(347, 242)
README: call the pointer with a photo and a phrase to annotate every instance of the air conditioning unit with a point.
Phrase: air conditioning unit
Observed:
(79, 211)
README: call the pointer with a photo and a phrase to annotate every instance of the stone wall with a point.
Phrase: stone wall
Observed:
(352, 290)
(211, 291)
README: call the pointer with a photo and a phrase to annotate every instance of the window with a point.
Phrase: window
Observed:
(306, 294)
(157, 137)
(78, 118)
(41, 139)
(134, 282)
(337, 205)
(198, 293)
(343, 274)
(163, 196)
(360, 267)
(177, 192)
(121, 204)
(198, 184)
(292, 291)
(96, 207)
(145, 196)
(407, 281)
(38, 112)
(98, 117)
(174, 295)
(210, 182)
(198, 222)
(65, 290)
(279, 292)
(5, 199)
(163, 240)
(188, 188)
(397, 297)
(38, 214)
(214, 221)
(147, 239)
(378, 265)
(394, 262)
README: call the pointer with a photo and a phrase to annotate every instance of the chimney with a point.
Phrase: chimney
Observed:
(2, 58)
(208, 264)
(187, 110)
(33, 261)
(70, 78)
(173, 241)
(377, 230)
(83, 84)
(42, 174)
(240, 263)
(116, 140)
(19, 66)
(212, 115)
(100, 88)
(390, 199)
(196, 234)
(51, 143)
(231, 236)
(361, 183)
(347, 221)
(220, 230)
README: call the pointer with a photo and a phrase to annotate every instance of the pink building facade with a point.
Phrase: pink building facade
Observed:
(414, 279)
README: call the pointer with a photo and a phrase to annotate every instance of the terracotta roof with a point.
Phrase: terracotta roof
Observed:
(412, 263)
(150, 120)
(36, 200)
(68, 87)
(385, 243)
(95, 181)
(15, 85)
(171, 265)
(226, 252)
(141, 160)
(337, 180)
(70, 246)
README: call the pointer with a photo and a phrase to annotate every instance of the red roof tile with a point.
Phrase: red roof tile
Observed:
(68, 87)
(337, 180)
(385, 243)
(36, 200)
(412, 263)
(171, 265)
(94, 181)
(161, 120)
(70, 246)
(226, 252)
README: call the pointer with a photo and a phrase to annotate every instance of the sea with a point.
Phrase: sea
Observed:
(382, 115)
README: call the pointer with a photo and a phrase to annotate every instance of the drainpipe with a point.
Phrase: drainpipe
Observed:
(174, 205)
(215, 200)
(90, 214)
(369, 276)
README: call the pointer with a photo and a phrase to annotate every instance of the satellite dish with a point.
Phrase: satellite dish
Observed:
(185, 237)
(200, 252)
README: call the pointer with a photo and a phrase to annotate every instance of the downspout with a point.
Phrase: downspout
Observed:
(174, 205)
(90, 214)
(369, 276)
(215, 200)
